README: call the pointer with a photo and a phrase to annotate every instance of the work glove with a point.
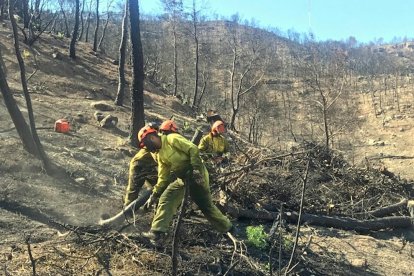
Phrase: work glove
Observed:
(194, 175)
(151, 200)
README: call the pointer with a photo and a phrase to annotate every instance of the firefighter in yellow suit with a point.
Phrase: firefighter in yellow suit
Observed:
(179, 156)
(214, 142)
(143, 166)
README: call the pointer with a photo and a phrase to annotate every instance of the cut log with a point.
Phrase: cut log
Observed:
(410, 206)
(387, 210)
(344, 223)
(361, 226)
(127, 212)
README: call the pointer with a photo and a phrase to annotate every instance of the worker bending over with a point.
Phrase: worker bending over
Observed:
(178, 156)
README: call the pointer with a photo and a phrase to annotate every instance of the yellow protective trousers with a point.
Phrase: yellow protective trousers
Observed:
(199, 191)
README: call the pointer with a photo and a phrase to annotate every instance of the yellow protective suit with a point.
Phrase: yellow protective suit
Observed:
(179, 156)
(213, 144)
(143, 167)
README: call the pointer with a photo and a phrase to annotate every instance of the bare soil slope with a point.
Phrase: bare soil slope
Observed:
(36, 208)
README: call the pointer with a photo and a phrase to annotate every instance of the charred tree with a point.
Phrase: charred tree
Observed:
(137, 89)
(95, 38)
(40, 153)
(108, 17)
(72, 48)
(174, 9)
(2, 8)
(197, 55)
(65, 19)
(122, 51)
(16, 115)
(88, 22)
(25, 12)
(82, 21)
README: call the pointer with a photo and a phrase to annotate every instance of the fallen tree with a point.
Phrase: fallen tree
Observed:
(344, 223)
(387, 210)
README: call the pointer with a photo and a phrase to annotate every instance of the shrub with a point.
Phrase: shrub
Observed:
(256, 236)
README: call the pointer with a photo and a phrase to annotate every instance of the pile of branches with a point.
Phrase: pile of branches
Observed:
(257, 180)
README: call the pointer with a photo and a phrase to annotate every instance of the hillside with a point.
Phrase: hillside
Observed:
(51, 213)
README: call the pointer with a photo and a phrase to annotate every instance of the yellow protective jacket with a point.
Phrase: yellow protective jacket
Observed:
(177, 155)
(213, 144)
(145, 158)
(143, 167)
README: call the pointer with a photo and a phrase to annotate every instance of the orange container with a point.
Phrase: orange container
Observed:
(62, 126)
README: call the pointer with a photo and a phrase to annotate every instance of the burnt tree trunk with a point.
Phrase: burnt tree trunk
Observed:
(15, 114)
(88, 22)
(137, 89)
(104, 31)
(82, 21)
(197, 59)
(121, 67)
(25, 11)
(345, 223)
(40, 153)
(175, 62)
(95, 38)
(72, 48)
(2, 7)
(65, 19)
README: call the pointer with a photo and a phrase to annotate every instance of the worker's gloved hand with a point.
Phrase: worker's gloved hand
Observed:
(194, 175)
(151, 200)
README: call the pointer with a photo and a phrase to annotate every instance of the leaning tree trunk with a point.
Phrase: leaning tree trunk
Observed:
(95, 38)
(121, 67)
(40, 153)
(104, 31)
(15, 114)
(137, 90)
(72, 48)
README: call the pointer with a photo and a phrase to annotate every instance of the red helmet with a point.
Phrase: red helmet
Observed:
(218, 127)
(169, 126)
(143, 132)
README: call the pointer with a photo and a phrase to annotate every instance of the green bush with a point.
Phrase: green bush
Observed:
(256, 236)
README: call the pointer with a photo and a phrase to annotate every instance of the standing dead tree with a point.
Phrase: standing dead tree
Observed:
(72, 48)
(2, 8)
(108, 17)
(16, 115)
(82, 21)
(33, 138)
(174, 9)
(41, 154)
(62, 9)
(246, 71)
(88, 20)
(137, 89)
(95, 37)
(195, 18)
(121, 67)
(324, 75)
